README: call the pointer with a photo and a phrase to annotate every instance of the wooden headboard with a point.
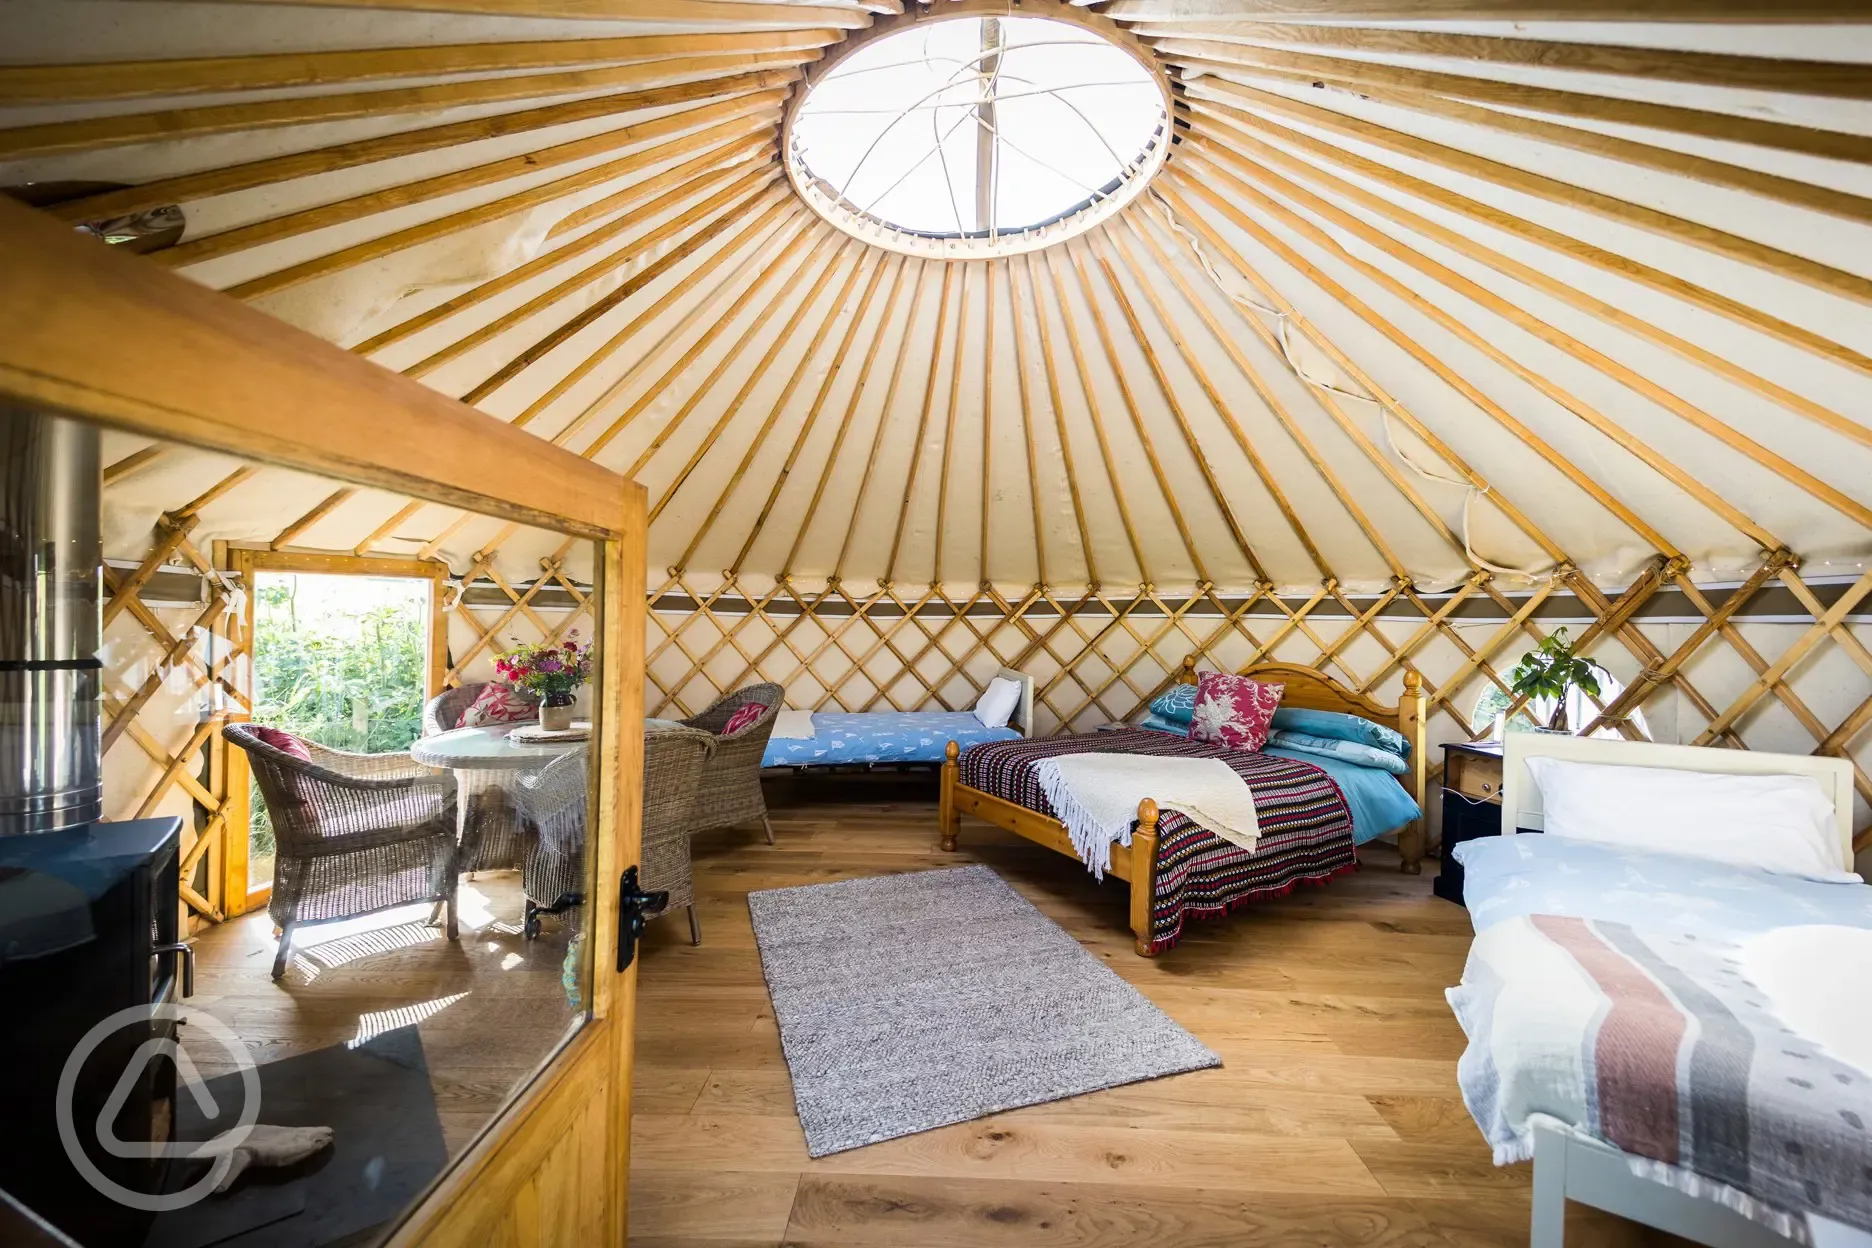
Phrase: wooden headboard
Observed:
(1313, 690)
(1521, 797)
(1023, 717)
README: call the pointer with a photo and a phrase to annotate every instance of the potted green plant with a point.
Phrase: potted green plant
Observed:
(554, 671)
(1552, 670)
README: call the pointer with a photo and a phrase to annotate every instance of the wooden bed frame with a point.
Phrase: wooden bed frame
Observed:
(1136, 863)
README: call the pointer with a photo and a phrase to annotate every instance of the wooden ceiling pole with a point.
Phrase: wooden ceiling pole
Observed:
(1220, 405)
(712, 228)
(739, 14)
(987, 413)
(1530, 275)
(1615, 432)
(916, 443)
(885, 318)
(847, 250)
(325, 507)
(1429, 360)
(526, 164)
(1027, 427)
(1702, 421)
(1830, 79)
(273, 71)
(435, 543)
(1790, 191)
(1094, 244)
(770, 203)
(852, 326)
(778, 202)
(759, 262)
(123, 129)
(652, 318)
(717, 145)
(1370, 385)
(884, 411)
(1586, 253)
(1083, 372)
(1769, 11)
(1343, 494)
(1103, 329)
(1058, 406)
(188, 187)
(1360, 74)
(1679, 229)
(822, 238)
(949, 428)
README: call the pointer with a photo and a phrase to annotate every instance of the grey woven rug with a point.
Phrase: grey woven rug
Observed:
(908, 1002)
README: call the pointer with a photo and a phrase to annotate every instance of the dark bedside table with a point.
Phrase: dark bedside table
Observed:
(1472, 777)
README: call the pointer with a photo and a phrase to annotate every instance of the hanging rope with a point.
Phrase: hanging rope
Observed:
(1283, 326)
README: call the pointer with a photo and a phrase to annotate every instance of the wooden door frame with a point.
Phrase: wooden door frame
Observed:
(205, 370)
(238, 896)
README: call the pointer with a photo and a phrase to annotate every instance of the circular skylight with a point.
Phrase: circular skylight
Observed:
(972, 135)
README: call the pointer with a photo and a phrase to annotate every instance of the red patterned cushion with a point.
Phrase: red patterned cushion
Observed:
(743, 717)
(284, 742)
(1234, 711)
(500, 703)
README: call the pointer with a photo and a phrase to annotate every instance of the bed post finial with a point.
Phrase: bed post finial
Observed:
(1143, 875)
(1186, 675)
(1413, 680)
(948, 822)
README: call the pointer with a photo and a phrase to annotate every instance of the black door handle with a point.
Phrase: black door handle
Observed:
(635, 907)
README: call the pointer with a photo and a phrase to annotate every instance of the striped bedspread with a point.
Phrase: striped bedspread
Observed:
(1306, 827)
(1653, 1041)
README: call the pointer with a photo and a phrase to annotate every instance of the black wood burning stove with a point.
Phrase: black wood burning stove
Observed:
(87, 930)
(88, 910)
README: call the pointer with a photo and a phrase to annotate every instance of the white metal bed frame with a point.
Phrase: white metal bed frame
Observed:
(1571, 1167)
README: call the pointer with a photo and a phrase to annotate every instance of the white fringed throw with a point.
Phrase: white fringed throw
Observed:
(1096, 796)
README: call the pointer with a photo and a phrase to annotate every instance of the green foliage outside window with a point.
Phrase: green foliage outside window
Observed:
(344, 665)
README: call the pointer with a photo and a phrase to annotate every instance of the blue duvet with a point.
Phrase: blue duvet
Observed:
(1379, 803)
(881, 737)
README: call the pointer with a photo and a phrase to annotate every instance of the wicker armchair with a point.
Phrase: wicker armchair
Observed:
(490, 824)
(731, 786)
(354, 833)
(552, 801)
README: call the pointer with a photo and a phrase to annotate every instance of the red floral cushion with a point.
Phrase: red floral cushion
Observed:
(743, 717)
(500, 703)
(282, 741)
(1234, 711)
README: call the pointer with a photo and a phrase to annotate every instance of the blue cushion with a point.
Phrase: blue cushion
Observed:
(1339, 726)
(1177, 705)
(1346, 751)
(1157, 723)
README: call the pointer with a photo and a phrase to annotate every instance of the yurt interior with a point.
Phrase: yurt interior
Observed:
(935, 623)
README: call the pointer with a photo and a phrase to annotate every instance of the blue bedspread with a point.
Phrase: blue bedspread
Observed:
(881, 737)
(1379, 803)
(1509, 877)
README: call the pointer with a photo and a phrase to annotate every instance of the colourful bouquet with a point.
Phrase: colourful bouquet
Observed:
(550, 670)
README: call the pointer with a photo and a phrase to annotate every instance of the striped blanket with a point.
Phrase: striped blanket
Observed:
(1306, 827)
(1656, 1043)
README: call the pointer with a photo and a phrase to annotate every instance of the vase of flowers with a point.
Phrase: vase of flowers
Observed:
(552, 670)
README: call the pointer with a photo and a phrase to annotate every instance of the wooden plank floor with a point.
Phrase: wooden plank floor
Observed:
(489, 1008)
(1335, 1119)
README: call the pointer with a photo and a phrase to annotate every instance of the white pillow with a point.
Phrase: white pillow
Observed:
(997, 702)
(1784, 824)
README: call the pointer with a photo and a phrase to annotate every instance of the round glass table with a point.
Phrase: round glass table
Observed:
(490, 748)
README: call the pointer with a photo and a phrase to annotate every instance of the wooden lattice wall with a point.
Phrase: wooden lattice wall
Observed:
(1731, 664)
